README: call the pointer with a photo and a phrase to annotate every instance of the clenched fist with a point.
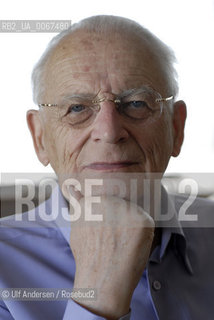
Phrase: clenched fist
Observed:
(110, 253)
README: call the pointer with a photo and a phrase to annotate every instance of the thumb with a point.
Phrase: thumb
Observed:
(71, 188)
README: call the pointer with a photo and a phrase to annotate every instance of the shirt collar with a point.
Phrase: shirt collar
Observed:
(172, 232)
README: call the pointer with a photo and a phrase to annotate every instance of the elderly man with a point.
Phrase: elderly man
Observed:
(108, 122)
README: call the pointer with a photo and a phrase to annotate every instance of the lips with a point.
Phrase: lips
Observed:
(111, 166)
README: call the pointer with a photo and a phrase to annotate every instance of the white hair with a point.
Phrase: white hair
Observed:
(105, 25)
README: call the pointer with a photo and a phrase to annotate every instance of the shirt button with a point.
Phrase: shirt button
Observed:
(156, 285)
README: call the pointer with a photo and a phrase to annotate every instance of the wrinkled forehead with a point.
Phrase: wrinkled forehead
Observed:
(87, 61)
(88, 46)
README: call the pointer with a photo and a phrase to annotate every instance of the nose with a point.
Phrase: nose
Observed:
(108, 126)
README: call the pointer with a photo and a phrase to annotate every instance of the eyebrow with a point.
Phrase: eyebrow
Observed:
(129, 92)
(90, 96)
(79, 96)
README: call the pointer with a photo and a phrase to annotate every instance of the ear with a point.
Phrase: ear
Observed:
(179, 118)
(37, 132)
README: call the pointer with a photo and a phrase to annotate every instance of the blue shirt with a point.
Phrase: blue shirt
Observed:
(177, 284)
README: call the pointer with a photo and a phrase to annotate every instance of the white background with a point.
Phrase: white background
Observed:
(185, 25)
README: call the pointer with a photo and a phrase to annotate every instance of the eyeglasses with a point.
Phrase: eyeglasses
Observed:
(143, 104)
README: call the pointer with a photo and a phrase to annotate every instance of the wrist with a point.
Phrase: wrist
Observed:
(107, 305)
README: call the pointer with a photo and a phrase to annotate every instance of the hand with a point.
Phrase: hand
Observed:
(111, 255)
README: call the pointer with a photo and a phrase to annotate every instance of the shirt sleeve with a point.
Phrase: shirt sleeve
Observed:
(4, 312)
(75, 311)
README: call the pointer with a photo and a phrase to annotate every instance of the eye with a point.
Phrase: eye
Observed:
(136, 109)
(77, 114)
(76, 108)
(137, 104)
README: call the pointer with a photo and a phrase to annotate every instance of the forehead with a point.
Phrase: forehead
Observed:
(87, 62)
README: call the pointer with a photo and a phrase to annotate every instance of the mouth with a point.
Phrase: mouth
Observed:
(109, 166)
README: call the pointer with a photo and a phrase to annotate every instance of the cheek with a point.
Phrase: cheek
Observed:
(63, 146)
(157, 145)
(54, 144)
